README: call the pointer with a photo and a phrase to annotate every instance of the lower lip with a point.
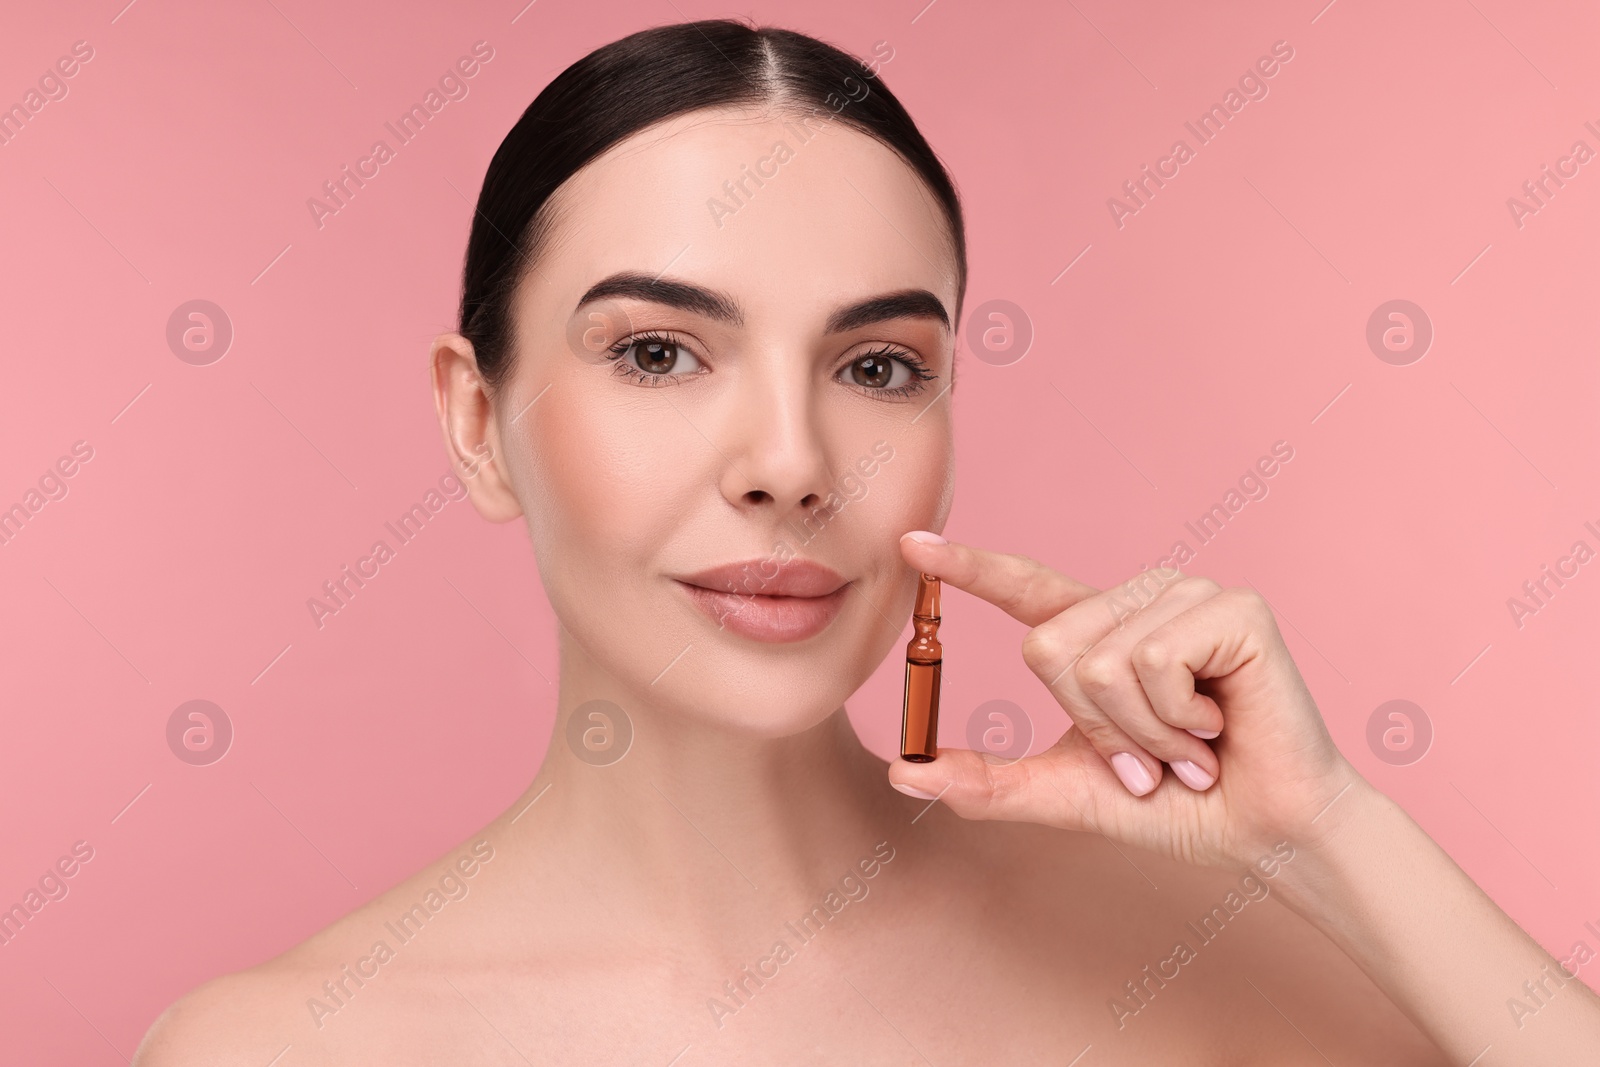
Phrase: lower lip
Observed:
(768, 618)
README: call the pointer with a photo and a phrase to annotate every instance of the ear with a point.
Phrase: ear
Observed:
(471, 430)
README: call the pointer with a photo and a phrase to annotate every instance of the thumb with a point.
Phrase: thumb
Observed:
(1052, 787)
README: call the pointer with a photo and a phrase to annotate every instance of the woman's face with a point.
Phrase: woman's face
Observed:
(732, 373)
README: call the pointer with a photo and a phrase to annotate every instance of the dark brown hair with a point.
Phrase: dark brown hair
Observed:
(633, 83)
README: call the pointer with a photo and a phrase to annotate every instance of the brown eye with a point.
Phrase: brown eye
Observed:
(874, 372)
(657, 357)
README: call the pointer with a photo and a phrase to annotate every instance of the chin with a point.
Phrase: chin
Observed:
(753, 697)
(763, 668)
(765, 690)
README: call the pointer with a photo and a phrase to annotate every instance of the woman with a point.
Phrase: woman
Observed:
(711, 291)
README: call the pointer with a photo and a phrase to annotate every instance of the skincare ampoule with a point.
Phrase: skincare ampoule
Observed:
(919, 724)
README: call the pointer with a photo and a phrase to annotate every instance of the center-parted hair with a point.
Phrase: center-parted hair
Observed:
(634, 83)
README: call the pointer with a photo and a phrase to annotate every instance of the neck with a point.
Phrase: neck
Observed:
(695, 816)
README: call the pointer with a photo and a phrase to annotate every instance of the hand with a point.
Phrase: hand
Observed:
(1148, 671)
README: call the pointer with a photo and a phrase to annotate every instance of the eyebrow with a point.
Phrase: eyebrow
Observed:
(906, 303)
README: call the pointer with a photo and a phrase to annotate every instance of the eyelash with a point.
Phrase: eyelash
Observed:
(627, 370)
(920, 374)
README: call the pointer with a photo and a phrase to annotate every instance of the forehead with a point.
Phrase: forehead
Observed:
(784, 213)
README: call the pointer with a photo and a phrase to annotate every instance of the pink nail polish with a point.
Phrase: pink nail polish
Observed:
(1133, 773)
(1206, 735)
(1192, 775)
(914, 792)
(926, 538)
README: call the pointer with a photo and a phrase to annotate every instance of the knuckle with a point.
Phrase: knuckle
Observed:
(1042, 649)
(994, 791)
(1097, 672)
(1200, 584)
(1151, 654)
(1020, 595)
(1251, 601)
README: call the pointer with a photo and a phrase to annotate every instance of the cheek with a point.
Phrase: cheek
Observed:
(909, 491)
(603, 477)
(914, 488)
(947, 489)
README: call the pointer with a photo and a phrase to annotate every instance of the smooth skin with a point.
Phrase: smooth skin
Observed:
(1004, 922)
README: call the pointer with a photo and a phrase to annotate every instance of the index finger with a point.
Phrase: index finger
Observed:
(1021, 587)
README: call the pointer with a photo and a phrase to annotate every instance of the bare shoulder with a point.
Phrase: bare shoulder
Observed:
(1308, 988)
(229, 1020)
(1161, 947)
(251, 1017)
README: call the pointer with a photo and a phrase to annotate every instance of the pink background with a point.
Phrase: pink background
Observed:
(1228, 314)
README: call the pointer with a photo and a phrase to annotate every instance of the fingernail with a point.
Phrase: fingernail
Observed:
(1192, 774)
(1133, 773)
(1206, 735)
(926, 538)
(911, 791)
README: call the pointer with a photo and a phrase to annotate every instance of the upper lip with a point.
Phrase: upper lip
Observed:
(794, 577)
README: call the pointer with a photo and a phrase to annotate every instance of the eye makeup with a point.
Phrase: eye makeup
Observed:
(919, 717)
(652, 342)
(624, 367)
(917, 373)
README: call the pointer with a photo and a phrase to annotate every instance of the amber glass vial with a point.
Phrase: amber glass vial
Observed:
(919, 722)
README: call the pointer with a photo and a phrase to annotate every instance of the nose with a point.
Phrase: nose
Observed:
(775, 452)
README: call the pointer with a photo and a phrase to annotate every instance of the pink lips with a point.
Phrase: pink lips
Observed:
(766, 601)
